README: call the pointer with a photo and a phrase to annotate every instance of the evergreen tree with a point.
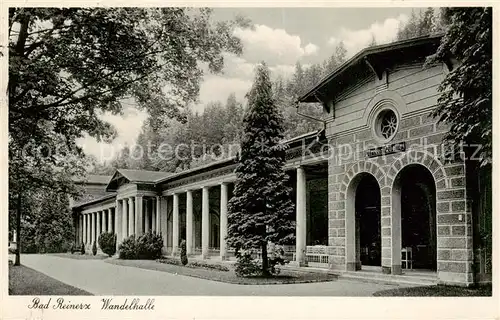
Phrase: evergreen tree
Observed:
(260, 210)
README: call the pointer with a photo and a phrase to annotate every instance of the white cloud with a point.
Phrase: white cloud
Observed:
(128, 127)
(356, 40)
(218, 88)
(274, 46)
(311, 49)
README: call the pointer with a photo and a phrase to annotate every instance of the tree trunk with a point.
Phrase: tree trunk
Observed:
(265, 262)
(18, 230)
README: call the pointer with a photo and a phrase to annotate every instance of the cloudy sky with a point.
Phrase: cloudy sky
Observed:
(281, 37)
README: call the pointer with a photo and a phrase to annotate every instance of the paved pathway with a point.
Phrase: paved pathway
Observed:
(101, 278)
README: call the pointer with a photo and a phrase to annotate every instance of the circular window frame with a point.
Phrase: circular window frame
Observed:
(376, 122)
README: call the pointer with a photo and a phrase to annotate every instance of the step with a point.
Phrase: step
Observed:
(389, 279)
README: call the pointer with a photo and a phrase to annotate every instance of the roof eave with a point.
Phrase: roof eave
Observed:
(310, 96)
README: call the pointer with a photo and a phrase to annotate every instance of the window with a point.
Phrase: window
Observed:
(386, 125)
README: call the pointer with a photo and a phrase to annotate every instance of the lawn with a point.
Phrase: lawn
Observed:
(25, 281)
(436, 291)
(79, 256)
(285, 277)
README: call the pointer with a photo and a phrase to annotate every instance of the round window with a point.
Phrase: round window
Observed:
(386, 124)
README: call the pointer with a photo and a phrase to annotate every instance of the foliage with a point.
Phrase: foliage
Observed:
(73, 248)
(246, 266)
(260, 210)
(82, 249)
(149, 246)
(193, 264)
(466, 92)
(127, 249)
(69, 66)
(184, 258)
(107, 243)
(146, 246)
(428, 22)
(47, 225)
(94, 248)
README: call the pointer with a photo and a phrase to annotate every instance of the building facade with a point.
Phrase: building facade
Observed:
(376, 189)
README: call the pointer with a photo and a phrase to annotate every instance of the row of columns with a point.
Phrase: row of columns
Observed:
(131, 216)
(205, 222)
(92, 224)
(129, 220)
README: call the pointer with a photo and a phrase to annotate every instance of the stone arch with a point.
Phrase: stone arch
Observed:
(370, 167)
(350, 182)
(436, 169)
(424, 158)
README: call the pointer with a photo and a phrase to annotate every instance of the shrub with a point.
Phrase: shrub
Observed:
(205, 265)
(73, 248)
(107, 242)
(146, 246)
(149, 246)
(184, 258)
(245, 265)
(94, 248)
(82, 249)
(127, 249)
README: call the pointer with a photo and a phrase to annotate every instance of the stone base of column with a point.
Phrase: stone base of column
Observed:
(386, 270)
(205, 256)
(351, 266)
(396, 269)
(224, 258)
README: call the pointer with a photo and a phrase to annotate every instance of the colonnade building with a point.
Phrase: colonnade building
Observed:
(374, 190)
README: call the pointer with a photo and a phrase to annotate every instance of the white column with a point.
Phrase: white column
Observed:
(87, 230)
(189, 222)
(80, 231)
(139, 230)
(205, 227)
(164, 220)
(301, 229)
(131, 221)
(118, 223)
(158, 215)
(147, 213)
(223, 221)
(92, 228)
(110, 220)
(84, 228)
(175, 222)
(98, 225)
(124, 214)
(153, 215)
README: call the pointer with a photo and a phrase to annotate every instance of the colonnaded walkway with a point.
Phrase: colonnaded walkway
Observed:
(101, 278)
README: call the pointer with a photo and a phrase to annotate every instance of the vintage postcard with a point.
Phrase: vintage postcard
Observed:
(247, 161)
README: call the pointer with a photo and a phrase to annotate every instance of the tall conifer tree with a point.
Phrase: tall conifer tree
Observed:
(260, 210)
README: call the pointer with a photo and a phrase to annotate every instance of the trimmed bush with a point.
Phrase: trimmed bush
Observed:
(147, 246)
(82, 249)
(127, 249)
(184, 258)
(107, 242)
(94, 248)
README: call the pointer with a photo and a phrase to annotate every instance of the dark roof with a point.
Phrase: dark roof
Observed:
(378, 56)
(143, 175)
(135, 176)
(87, 202)
(93, 179)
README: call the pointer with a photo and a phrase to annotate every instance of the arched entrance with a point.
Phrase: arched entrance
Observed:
(415, 191)
(363, 228)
